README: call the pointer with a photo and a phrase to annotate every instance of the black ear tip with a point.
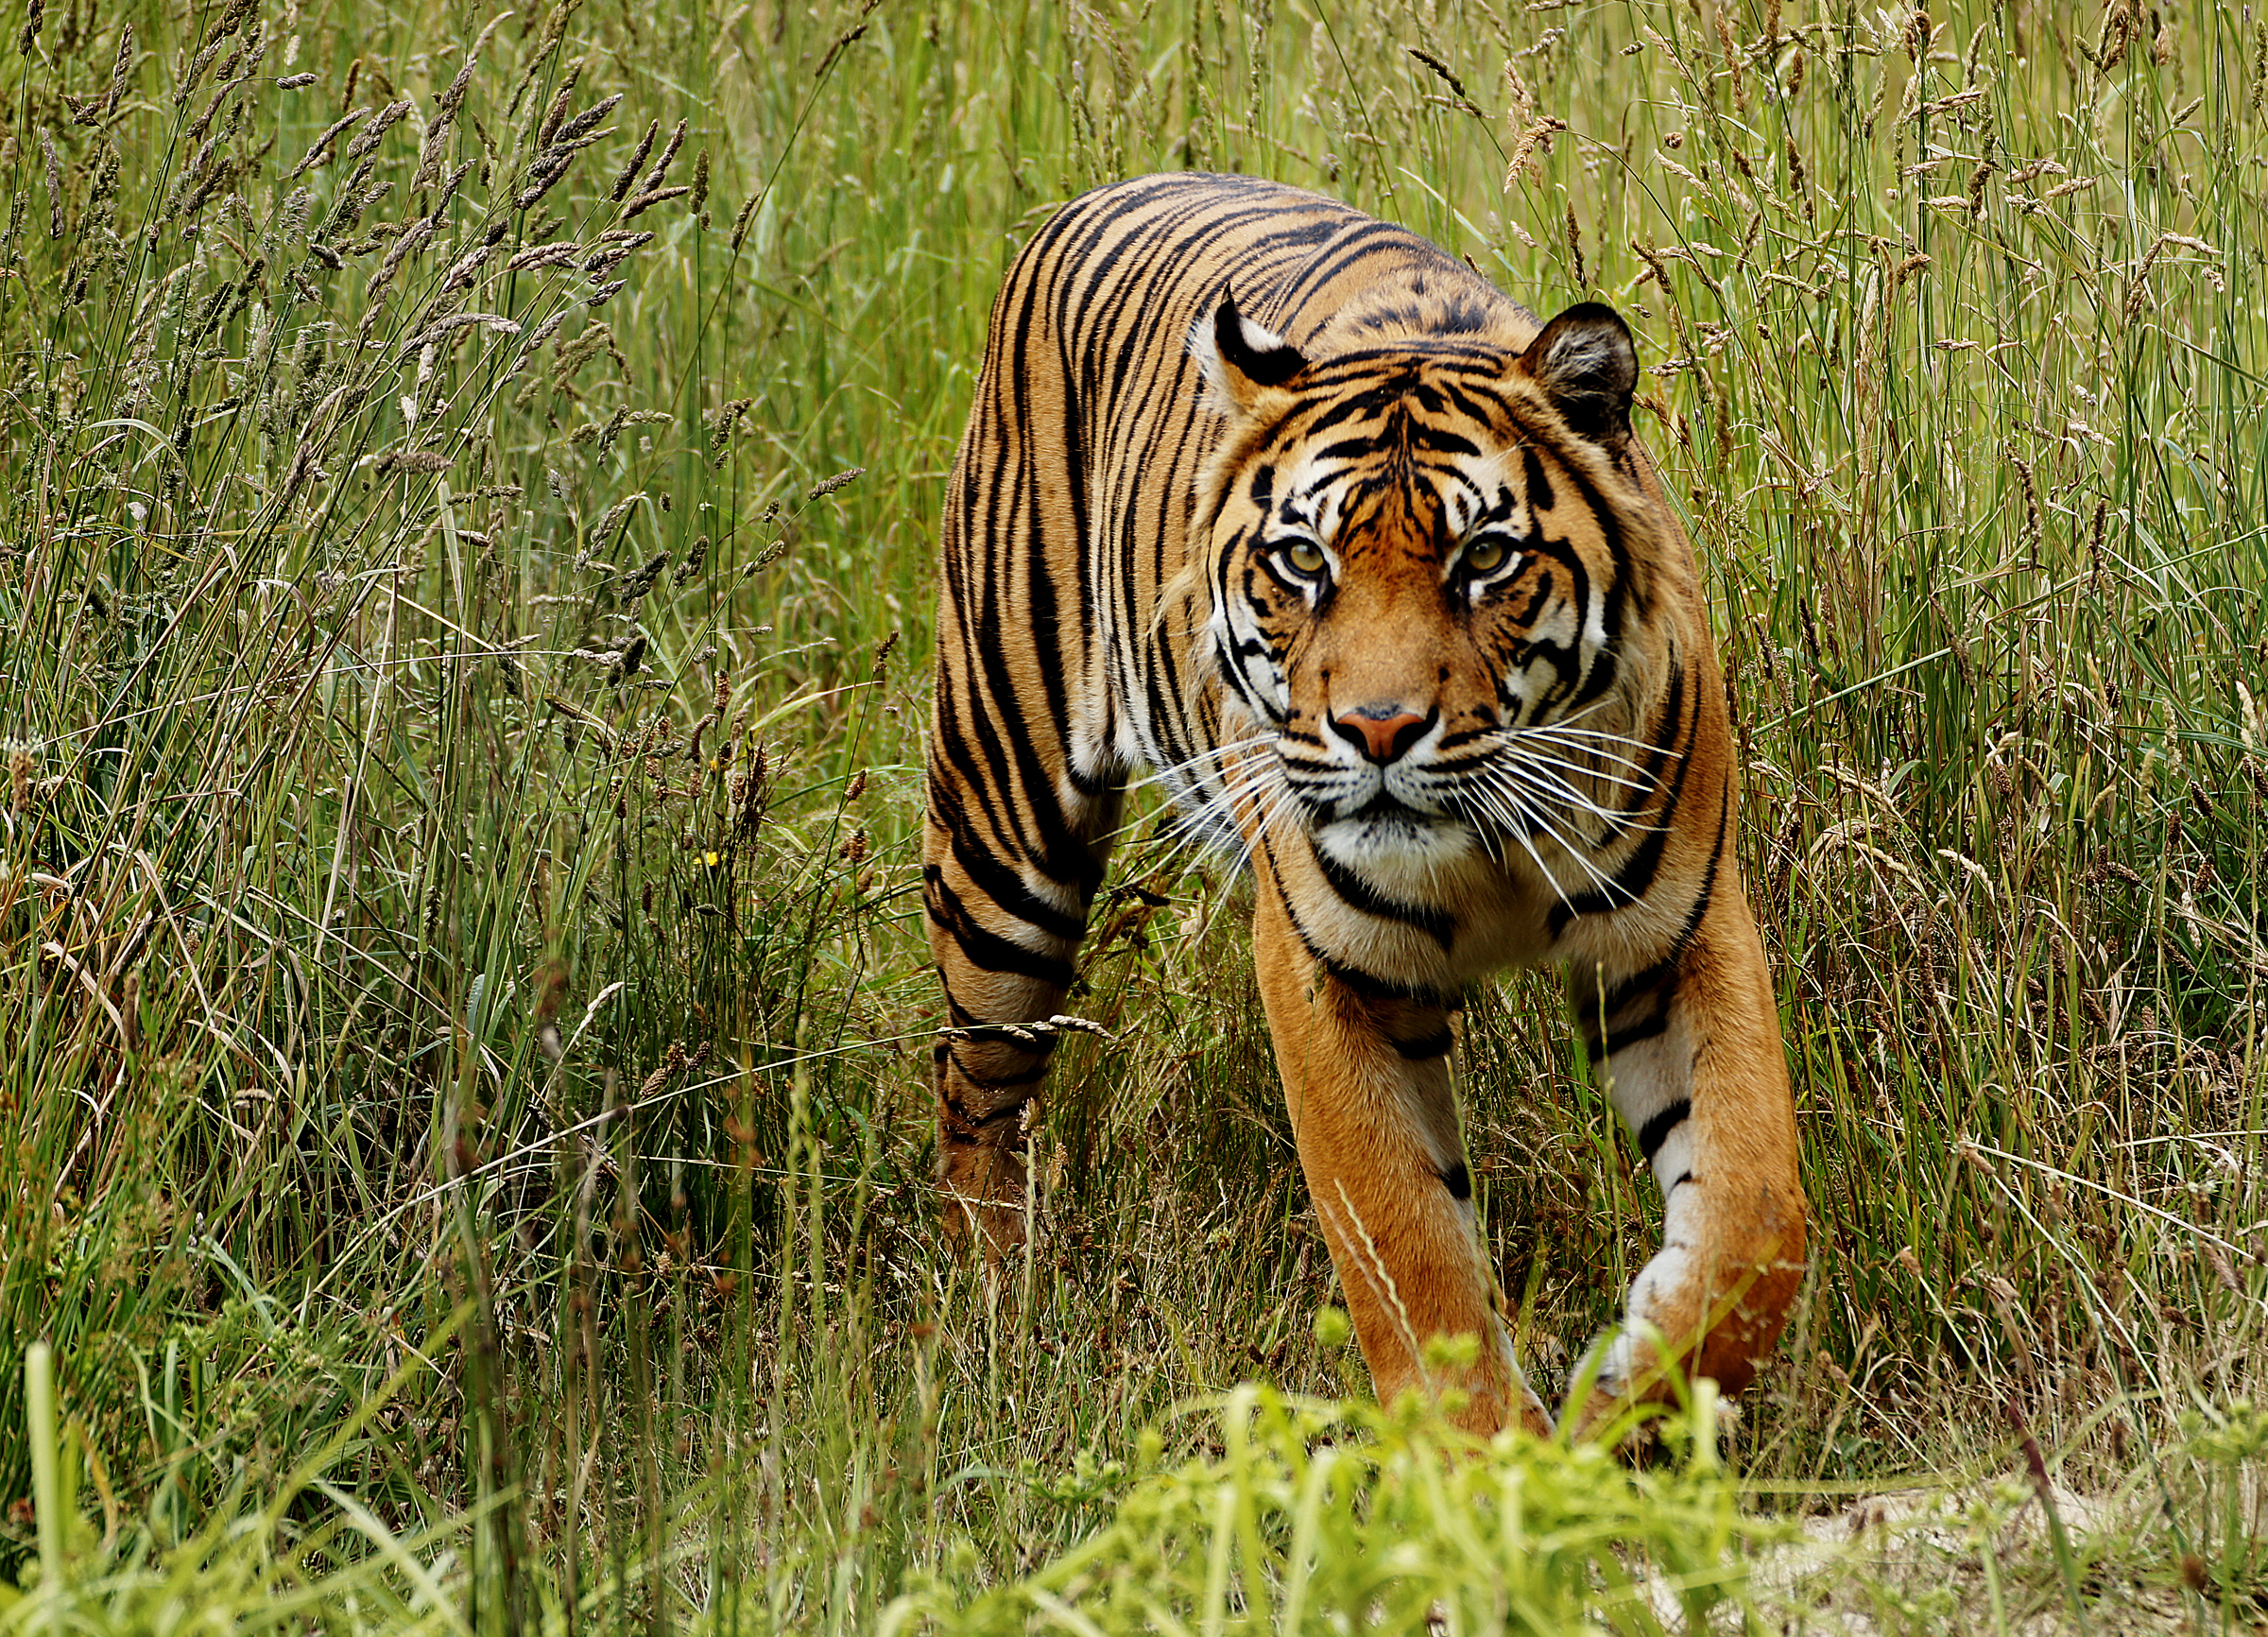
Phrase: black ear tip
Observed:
(1228, 324)
(1587, 328)
(1586, 360)
(1593, 314)
(1252, 351)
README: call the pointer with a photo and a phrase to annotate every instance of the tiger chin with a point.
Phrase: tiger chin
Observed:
(1285, 503)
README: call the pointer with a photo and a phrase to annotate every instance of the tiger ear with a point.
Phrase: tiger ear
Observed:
(1586, 367)
(1240, 360)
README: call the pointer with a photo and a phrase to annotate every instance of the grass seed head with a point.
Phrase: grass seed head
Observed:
(370, 137)
(646, 201)
(577, 129)
(630, 171)
(657, 176)
(556, 110)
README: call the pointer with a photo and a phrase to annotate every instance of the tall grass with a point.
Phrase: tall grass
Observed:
(464, 1000)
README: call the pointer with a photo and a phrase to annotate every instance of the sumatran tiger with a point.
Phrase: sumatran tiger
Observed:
(1281, 501)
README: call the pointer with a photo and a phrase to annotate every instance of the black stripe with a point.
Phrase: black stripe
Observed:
(1646, 982)
(1483, 406)
(1657, 1130)
(957, 1113)
(955, 778)
(1031, 1077)
(1539, 486)
(1427, 1047)
(1441, 443)
(1329, 417)
(1370, 987)
(1596, 1013)
(1623, 1036)
(1002, 883)
(1352, 979)
(1637, 871)
(1355, 449)
(986, 948)
(1437, 924)
(1358, 242)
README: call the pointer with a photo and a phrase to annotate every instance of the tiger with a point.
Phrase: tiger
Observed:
(1365, 564)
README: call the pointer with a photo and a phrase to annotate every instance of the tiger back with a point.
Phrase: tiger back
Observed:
(1284, 503)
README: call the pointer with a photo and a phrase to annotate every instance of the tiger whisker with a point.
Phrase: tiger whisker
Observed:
(1191, 828)
(1538, 774)
(1624, 817)
(1546, 756)
(1582, 761)
(1591, 710)
(1543, 823)
(1506, 813)
(1191, 821)
(1255, 789)
(1567, 725)
(1216, 753)
(1561, 731)
(1239, 804)
(1573, 743)
(1275, 801)
(1572, 805)
(1267, 807)
(1262, 791)
(1518, 746)
(1594, 739)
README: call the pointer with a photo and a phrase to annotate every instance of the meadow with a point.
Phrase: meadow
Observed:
(466, 548)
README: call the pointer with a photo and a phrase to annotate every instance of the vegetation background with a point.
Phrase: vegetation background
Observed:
(471, 480)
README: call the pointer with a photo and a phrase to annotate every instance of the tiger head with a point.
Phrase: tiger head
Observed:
(1432, 568)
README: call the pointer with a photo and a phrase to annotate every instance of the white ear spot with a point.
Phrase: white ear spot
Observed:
(1259, 337)
(1239, 358)
(1208, 359)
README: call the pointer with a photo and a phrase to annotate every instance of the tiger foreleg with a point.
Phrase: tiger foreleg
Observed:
(1003, 935)
(987, 1097)
(1689, 1052)
(1366, 1078)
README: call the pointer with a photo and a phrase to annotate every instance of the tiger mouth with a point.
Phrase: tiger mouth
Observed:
(1384, 821)
(1387, 808)
(1381, 813)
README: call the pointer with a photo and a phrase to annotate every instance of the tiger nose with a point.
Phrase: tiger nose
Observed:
(1383, 731)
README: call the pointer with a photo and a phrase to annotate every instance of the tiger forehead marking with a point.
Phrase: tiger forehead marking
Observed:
(1283, 503)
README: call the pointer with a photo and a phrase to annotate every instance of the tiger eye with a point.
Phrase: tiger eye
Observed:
(1305, 556)
(1486, 555)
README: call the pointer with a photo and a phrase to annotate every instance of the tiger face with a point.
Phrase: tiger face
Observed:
(1427, 565)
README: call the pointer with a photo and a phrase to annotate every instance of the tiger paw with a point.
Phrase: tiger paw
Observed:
(1618, 1372)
